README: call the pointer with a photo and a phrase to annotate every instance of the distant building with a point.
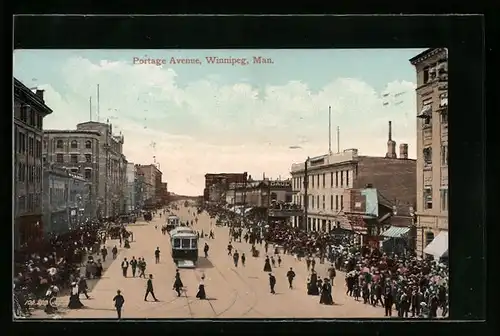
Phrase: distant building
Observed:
(66, 200)
(217, 184)
(29, 111)
(333, 178)
(432, 150)
(165, 193)
(261, 193)
(152, 180)
(130, 193)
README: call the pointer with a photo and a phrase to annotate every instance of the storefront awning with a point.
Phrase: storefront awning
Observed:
(396, 232)
(247, 210)
(439, 246)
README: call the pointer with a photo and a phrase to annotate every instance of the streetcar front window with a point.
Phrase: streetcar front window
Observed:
(177, 243)
(186, 243)
(194, 243)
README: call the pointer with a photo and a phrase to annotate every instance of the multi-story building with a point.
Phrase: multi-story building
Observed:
(29, 111)
(130, 193)
(331, 178)
(259, 193)
(153, 184)
(66, 199)
(140, 189)
(432, 150)
(217, 184)
(164, 187)
(94, 151)
(77, 151)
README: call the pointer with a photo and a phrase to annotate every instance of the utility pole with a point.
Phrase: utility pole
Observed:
(306, 196)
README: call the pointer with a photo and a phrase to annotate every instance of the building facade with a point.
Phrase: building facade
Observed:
(432, 145)
(130, 193)
(332, 177)
(93, 150)
(66, 200)
(263, 193)
(217, 184)
(153, 184)
(29, 111)
(77, 151)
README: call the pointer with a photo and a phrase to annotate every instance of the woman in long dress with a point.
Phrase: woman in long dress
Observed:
(201, 290)
(326, 293)
(267, 265)
(313, 285)
(74, 299)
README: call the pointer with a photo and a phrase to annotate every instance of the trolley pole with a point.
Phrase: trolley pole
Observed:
(306, 196)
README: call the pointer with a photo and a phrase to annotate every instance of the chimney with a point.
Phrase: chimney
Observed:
(391, 145)
(39, 93)
(403, 151)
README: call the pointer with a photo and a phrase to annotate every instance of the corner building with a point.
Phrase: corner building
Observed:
(432, 151)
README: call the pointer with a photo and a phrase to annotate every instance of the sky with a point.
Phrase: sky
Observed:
(192, 117)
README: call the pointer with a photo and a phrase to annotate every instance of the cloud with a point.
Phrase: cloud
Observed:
(205, 126)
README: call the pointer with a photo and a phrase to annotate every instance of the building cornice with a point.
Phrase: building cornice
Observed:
(426, 55)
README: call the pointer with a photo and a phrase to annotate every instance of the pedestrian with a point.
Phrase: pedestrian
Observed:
(142, 268)
(125, 267)
(104, 253)
(133, 264)
(119, 300)
(114, 252)
(279, 261)
(243, 259)
(229, 249)
(149, 289)
(83, 287)
(388, 299)
(236, 258)
(272, 282)
(273, 262)
(205, 250)
(178, 283)
(157, 255)
(290, 275)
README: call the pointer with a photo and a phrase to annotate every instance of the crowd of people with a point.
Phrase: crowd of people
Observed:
(408, 285)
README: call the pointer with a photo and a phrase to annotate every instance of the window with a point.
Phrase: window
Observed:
(30, 201)
(22, 143)
(426, 75)
(312, 202)
(39, 121)
(341, 202)
(60, 158)
(331, 179)
(74, 144)
(341, 178)
(323, 180)
(427, 197)
(88, 158)
(75, 170)
(24, 112)
(29, 173)
(331, 202)
(59, 144)
(274, 196)
(30, 146)
(186, 243)
(444, 155)
(444, 199)
(22, 203)
(312, 180)
(88, 144)
(347, 178)
(194, 244)
(444, 117)
(427, 156)
(317, 180)
(177, 243)
(88, 174)
(38, 149)
(32, 119)
(336, 179)
(429, 237)
(21, 172)
(323, 201)
(336, 202)
(74, 158)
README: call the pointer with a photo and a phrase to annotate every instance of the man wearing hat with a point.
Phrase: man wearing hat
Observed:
(272, 282)
(119, 300)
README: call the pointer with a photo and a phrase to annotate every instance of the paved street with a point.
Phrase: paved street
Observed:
(241, 292)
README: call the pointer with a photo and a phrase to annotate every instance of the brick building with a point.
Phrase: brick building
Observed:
(217, 184)
(332, 178)
(29, 111)
(153, 184)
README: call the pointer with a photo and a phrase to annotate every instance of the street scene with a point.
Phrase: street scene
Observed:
(214, 185)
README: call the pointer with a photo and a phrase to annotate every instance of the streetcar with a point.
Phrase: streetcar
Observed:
(184, 248)
(172, 222)
(182, 229)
